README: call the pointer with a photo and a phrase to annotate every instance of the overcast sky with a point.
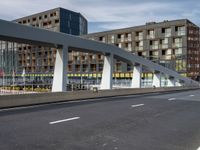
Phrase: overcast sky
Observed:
(108, 14)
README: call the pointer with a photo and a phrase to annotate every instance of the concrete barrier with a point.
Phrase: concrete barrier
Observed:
(7, 101)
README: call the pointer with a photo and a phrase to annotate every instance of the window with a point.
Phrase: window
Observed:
(163, 52)
(122, 38)
(168, 52)
(141, 43)
(112, 39)
(139, 53)
(24, 21)
(177, 42)
(129, 67)
(139, 35)
(57, 21)
(102, 39)
(119, 36)
(163, 30)
(151, 34)
(178, 51)
(167, 32)
(164, 43)
(180, 30)
(128, 36)
(180, 65)
(44, 23)
(128, 46)
(154, 44)
(100, 67)
(34, 19)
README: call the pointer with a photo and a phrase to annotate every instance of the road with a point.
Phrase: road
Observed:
(160, 121)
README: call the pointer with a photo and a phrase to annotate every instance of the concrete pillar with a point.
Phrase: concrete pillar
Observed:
(136, 79)
(106, 80)
(60, 71)
(157, 79)
(179, 83)
(171, 82)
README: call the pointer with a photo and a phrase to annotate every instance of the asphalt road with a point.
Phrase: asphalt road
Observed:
(162, 121)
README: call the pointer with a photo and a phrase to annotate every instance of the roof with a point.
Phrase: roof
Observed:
(47, 11)
(148, 25)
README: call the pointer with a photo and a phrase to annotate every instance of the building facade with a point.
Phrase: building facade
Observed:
(39, 59)
(173, 44)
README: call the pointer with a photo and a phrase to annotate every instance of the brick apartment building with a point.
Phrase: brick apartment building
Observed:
(174, 44)
(38, 59)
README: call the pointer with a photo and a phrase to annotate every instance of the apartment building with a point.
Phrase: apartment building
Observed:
(39, 59)
(173, 44)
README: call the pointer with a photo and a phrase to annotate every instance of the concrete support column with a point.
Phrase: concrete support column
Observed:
(171, 82)
(179, 83)
(60, 70)
(106, 80)
(136, 78)
(157, 79)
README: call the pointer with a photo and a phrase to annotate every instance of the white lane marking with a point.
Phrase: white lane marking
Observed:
(64, 120)
(192, 95)
(138, 105)
(198, 148)
(171, 99)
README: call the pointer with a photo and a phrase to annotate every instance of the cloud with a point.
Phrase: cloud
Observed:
(106, 15)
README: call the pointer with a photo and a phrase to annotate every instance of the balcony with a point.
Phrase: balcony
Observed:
(138, 38)
(154, 46)
(177, 45)
(168, 34)
(151, 36)
(77, 61)
(166, 57)
(164, 46)
(93, 61)
(129, 49)
(127, 39)
(85, 61)
(180, 33)
(139, 48)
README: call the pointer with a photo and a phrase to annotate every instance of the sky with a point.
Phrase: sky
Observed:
(105, 15)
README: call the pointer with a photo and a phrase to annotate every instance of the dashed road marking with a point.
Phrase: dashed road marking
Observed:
(138, 105)
(192, 95)
(64, 120)
(171, 99)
